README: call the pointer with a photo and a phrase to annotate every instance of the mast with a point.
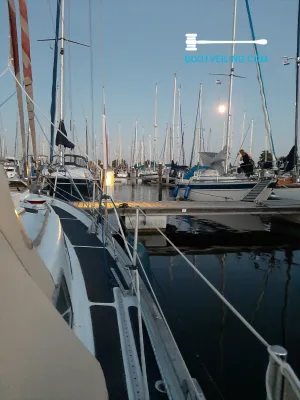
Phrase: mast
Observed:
(166, 145)
(208, 141)
(178, 127)
(62, 60)
(86, 138)
(104, 139)
(54, 81)
(14, 55)
(120, 144)
(150, 150)
(27, 71)
(230, 88)
(251, 137)
(135, 150)
(297, 89)
(200, 125)
(155, 144)
(223, 136)
(16, 139)
(173, 121)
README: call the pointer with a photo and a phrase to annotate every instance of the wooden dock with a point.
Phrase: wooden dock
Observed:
(177, 208)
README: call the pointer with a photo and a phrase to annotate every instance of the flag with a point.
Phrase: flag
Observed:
(218, 82)
(286, 62)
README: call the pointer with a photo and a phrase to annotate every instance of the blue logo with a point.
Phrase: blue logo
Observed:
(205, 58)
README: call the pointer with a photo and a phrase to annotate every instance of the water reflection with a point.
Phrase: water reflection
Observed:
(263, 286)
(219, 351)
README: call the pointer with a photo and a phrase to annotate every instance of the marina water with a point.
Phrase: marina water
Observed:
(261, 283)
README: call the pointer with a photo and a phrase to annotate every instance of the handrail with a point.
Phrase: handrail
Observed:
(285, 368)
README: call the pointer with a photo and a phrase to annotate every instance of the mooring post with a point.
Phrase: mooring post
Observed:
(159, 181)
(133, 176)
(274, 379)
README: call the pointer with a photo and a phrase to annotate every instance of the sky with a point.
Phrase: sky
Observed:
(136, 44)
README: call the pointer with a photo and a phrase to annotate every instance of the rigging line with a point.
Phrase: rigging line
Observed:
(126, 243)
(56, 127)
(51, 14)
(211, 286)
(5, 101)
(91, 77)
(243, 142)
(69, 68)
(6, 69)
(261, 84)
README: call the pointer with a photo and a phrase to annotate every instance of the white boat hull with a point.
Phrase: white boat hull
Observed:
(215, 195)
(287, 193)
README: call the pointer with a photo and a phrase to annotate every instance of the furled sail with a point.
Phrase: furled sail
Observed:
(27, 71)
(14, 55)
(61, 139)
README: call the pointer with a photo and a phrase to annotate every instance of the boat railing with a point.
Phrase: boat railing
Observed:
(179, 384)
(281, 381)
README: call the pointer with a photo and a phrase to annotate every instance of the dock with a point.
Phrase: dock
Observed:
(192, 208)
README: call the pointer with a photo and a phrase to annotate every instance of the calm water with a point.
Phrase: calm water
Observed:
(225, 358)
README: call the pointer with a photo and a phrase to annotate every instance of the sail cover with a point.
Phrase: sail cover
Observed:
(290, 159)
(214, 160)
(61, 139)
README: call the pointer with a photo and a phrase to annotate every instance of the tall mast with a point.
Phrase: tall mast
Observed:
(200, 125)
(230, 88)
(223, 136)
(150, 151)
(143, 146)
(54, 82)
(173, 121)
(166, 145)
(27, 71)
(104, 136)
(155, 144)
(208, 141)
(178, 127)
(16, 139)
(62, 42)
(120, 144)
(14, 54)
(86, 138)
(297, 88)
(251, 137)
(135, 144)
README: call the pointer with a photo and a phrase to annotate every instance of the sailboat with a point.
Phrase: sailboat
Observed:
(68, 175)
(288, 184)
(209, 180)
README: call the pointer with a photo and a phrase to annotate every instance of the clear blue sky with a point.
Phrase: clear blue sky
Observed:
(138, 43)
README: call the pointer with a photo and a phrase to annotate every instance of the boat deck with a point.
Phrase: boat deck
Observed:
(175, 208)
(96, 263)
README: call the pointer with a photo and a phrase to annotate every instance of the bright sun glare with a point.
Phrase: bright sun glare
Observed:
(221, 109)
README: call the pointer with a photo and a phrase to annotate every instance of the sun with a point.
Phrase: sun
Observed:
(221, 109)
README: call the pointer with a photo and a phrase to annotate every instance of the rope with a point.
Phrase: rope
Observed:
(4, 72)
(261, 84)
(5, 101)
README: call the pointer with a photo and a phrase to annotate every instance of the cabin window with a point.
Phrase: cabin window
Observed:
(63, 304)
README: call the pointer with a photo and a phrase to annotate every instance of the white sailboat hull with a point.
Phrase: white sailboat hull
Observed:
(215, 195)
(287, 193)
